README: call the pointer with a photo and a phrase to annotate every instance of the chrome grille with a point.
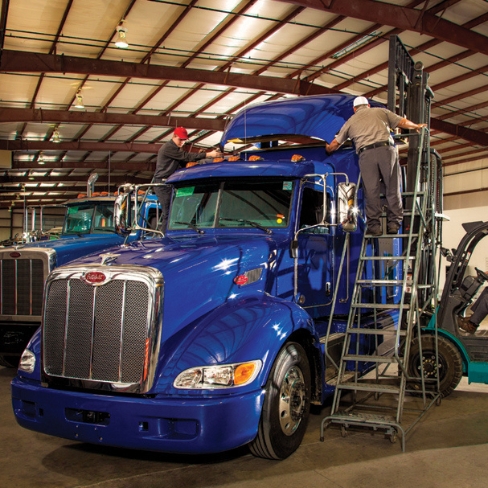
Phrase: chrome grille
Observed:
(98, 333)
(22, 285)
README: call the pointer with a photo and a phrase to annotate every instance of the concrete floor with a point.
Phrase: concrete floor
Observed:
(448, 447)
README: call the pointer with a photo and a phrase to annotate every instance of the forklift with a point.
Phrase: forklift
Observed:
(459, 353)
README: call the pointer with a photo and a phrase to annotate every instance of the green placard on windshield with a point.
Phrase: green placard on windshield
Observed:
(185, 192)
(72, 210)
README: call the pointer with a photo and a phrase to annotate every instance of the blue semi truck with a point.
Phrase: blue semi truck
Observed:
(88, 227)
(224, 331)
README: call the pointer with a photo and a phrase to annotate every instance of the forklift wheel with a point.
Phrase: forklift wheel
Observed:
(449, 365)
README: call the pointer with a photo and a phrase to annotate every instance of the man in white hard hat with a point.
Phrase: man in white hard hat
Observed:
(369, 129)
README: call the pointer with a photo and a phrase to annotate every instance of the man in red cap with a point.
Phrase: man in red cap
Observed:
(369, 130)
(171, 157)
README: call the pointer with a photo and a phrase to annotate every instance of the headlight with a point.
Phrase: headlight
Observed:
(224, 376)
(27, 361)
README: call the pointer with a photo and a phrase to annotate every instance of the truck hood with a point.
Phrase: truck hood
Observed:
(199, 272)
(175, 254)
(72, 247)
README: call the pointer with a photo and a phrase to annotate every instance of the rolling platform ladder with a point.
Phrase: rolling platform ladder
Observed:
(361, 400)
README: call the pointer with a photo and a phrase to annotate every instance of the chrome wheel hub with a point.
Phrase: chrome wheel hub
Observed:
(292, 400)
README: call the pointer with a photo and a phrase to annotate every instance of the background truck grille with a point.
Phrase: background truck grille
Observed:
(97, 333)
(21, 286)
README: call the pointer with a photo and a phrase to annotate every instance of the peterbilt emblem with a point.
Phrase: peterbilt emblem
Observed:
(94, 277)
(15, 255)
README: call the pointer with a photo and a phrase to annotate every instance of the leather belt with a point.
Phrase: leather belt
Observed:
(375, 145)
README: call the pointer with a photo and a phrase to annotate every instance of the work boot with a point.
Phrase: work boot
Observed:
(375, 231)
(393, 228)
(465, 324)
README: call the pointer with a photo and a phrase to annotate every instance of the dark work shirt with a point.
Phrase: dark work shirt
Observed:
(171, 157)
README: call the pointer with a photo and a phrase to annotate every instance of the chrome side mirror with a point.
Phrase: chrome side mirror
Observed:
(122, 211)
(347, 209)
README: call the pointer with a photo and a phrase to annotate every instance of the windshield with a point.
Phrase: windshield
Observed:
(89, 217)
(245, 203)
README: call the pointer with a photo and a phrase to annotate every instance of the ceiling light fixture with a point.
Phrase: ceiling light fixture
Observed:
(356, 45)
(79, 100)
(121, 41)
(40, 159)
(56, 137)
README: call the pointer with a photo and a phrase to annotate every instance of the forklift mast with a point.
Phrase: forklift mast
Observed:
(410, 96)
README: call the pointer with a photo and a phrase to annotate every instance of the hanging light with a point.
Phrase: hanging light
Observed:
(40, 159)
(121, 41)
(79, 100)
(56, 137)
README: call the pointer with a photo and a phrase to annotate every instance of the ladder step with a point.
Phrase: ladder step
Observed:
(395, 306)
(332, 337)
(372, 387)
(384, 282)
(345, 377)
(412, 193)
(370, 359)
(383, 332)
(407, 213)
(389, 236)
(386, 258)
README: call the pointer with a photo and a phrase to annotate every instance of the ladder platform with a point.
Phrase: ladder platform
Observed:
(360, 418)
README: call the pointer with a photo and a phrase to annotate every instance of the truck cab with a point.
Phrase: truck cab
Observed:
(87, 227)
(223, 331)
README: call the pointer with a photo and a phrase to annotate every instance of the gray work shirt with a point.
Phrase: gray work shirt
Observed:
(171, 157)
(368, 126)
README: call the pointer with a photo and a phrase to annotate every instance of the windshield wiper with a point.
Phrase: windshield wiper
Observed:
(193, 226)
(250, 222)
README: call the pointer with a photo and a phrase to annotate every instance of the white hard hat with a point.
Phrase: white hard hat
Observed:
(360, 101)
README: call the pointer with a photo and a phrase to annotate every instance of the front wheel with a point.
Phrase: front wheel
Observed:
(449, 364)
(286, 405)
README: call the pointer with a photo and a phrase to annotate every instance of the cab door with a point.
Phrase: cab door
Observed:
(315, 252)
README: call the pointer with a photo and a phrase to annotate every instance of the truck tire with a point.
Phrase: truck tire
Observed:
(450, 364)
(286, 407)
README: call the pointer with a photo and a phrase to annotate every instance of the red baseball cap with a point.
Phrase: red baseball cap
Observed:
(181, 133)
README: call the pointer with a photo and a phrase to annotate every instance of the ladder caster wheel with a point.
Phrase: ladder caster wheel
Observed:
(438, 401)
(376, 396)
(343, 432)
(321, 439)
(393, 438)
